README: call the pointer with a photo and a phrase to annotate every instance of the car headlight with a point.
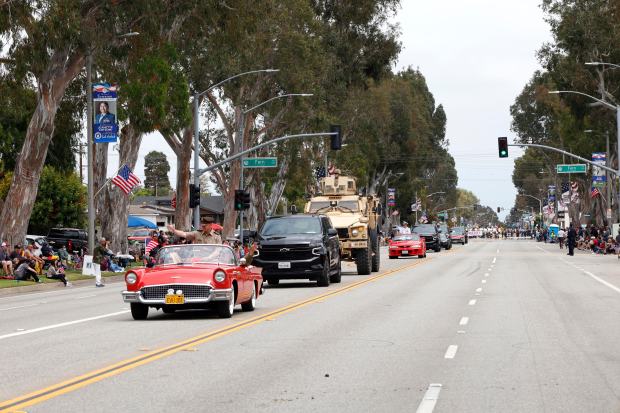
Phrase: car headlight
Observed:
(355, 232)
(219, 276)
(131, 278)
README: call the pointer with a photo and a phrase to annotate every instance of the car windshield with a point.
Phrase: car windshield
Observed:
(290, 225)
(424, 229)
(407, 237)
(457, 231)
(316, 206)
(195, 254)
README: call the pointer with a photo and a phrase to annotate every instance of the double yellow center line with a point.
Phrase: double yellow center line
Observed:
(112, 370)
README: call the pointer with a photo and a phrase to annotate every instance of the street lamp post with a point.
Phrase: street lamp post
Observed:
(539, 203)
(609, 106)
(196, 104)
(241, 144)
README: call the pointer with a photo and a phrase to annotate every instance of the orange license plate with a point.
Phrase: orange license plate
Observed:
(175, 299)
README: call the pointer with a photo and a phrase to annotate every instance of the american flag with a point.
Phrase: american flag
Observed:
(565, 187)
(595, 192)
(173, 203)
(149, 247)
(319, 172)
(125, 179)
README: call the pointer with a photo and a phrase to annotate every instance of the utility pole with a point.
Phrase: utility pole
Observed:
(90, 154)
(242, 183)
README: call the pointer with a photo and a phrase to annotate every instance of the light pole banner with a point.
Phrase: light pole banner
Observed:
(105, 126)
(391, 197)
(598, 174)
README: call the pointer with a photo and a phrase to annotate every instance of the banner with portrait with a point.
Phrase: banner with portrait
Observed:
(599, 176)
(105, 119)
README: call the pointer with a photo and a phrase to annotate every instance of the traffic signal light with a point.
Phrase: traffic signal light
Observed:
(194, 195)
(498, 210)
(242, 200)
(502, 144)
(336, 143)
(239, 200)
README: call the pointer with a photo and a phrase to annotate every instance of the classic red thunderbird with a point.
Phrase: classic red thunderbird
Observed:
(406, 245)
(193, 276)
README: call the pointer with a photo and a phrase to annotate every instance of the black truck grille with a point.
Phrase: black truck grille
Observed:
(343, 233)
(286, 253)
(158, 292)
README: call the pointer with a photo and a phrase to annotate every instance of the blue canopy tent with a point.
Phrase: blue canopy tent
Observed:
(137, 222)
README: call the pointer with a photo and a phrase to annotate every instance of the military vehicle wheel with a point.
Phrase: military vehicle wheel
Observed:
(363, 260)
(376, 256)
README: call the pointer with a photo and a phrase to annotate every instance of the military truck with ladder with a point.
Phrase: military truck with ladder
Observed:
(356, 217)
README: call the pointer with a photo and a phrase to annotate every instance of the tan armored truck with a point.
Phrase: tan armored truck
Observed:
(355, 217)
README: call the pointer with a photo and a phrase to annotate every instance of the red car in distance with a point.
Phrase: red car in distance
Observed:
(193, 276)
(405, 245)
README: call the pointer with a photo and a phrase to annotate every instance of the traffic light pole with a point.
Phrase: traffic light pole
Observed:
(242, 183)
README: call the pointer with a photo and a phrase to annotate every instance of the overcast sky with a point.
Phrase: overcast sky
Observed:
(476, 56)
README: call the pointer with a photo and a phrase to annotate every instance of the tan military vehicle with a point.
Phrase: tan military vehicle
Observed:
(356, 218)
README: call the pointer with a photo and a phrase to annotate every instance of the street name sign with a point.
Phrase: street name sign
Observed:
(578, 168)
(260, 162)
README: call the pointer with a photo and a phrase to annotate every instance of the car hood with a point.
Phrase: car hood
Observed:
(293, 239)
(344, 220)
(405, 243)
(179, 274)
(427, 234)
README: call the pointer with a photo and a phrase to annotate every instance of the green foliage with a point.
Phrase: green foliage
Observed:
(156, 168)
(61, 201)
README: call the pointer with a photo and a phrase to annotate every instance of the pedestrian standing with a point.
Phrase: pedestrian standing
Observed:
(572, 236)
(99, 255)
(561, 236)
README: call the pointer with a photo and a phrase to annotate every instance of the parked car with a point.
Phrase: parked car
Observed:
(430, 233)
(39, 239)
(459, 235)
(444, 236)
(193, 276)
(72, 238)
(406, 245)
(139, 234)
(303, 246)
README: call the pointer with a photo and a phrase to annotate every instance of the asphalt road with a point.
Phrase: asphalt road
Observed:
(511, 326)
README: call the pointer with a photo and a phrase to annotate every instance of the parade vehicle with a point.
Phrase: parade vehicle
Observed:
(444, 236)
(430, 233)
(459, 235)
(406, 245)
(299, 247)
(193, 276)
(356, 217)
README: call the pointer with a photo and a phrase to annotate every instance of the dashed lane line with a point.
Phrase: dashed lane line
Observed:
(427, 405)
(451, 351)
(472, 302)
(464, 321)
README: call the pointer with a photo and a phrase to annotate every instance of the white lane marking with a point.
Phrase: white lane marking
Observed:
(68, 323)
(479, 289)
(613, 287)
(427, 405)
(490, 269)
(16, 307)
(464, 321)
(460, 332)
(451, 351)
(44, 293)
(486, 274)
(494, 260)
(484, 281)
(498, 251)
(472, 302)
(86, 296)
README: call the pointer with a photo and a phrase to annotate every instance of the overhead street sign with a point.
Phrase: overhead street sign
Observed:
(260, 162)
(578, 168)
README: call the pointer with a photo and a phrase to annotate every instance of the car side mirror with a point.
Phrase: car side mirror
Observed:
(332, 232)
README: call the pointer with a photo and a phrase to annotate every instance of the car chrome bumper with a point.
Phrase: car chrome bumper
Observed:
(221, 294)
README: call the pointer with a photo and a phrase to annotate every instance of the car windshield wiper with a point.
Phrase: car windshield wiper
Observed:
(346, 209)
(322, 208)
(274, 237)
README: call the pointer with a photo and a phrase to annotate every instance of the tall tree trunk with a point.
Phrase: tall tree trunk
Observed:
(22, 194)
(183, 150)
(230, 215)
(277, 189)
(113, 216)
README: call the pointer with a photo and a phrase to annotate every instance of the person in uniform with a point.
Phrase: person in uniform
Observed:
(572, 237)
(204, 236)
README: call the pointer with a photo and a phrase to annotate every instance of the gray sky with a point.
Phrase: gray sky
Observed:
(476, 55)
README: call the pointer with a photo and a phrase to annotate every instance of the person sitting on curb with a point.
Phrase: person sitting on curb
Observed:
(57, 272)
(25, 271)
(5, 260)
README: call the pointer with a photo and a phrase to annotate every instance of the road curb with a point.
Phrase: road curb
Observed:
(12, 291)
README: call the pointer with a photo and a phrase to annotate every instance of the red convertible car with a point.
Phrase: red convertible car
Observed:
(193, 276)
(405, 245)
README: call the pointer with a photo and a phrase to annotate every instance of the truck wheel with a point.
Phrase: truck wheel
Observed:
(376, 257)
(337, 277)
(323, 280)
(363, 260)
(139, 311)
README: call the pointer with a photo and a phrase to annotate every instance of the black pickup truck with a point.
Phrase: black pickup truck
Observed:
(431, 236)
(72, 238)
(300, 246)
